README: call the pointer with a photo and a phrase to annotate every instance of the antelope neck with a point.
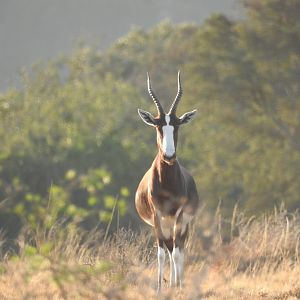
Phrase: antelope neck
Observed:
(167, 173)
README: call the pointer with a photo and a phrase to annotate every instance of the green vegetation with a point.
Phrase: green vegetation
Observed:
(73, 147)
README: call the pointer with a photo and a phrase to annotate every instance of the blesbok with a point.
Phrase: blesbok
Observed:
(167, 197)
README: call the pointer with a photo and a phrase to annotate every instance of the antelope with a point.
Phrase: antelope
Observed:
(167, 197)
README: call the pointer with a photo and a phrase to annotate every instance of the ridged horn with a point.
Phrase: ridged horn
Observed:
(154, 98)
(177, 98)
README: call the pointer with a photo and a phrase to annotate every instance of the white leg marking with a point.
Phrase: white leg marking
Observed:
(168, 138)
(175, 256)
(172, 270)
(180, 268)
(178, 259)
(161, 261)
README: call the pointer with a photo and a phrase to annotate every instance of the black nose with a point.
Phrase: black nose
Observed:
(170, 158)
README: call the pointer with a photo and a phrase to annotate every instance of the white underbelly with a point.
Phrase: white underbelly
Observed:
(167, 224)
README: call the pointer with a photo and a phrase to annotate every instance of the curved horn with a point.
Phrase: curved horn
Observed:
(177, 98)
(154, 98)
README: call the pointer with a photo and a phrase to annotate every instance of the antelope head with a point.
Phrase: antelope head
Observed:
(166, 125)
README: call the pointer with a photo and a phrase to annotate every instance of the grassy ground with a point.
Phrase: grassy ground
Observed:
(259, 259)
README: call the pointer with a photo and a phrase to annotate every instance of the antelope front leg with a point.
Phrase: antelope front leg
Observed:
(161, 261)
(178, 259)
(160, 252)
(172, 270)
(180, 234)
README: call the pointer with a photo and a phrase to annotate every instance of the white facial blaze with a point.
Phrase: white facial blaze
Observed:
(168, 146)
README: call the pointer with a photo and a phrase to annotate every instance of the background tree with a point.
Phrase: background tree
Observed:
(72, 133)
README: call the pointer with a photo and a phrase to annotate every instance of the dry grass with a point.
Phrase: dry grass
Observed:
(259, 261)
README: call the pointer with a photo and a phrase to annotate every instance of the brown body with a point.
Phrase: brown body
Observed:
(166, 188)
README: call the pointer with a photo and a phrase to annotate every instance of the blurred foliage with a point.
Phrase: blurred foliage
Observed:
(79, 197)
(72, 143)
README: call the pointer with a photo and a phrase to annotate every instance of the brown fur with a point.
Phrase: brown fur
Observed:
(166, 187)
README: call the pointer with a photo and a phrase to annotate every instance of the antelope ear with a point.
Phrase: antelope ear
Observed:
(187, 117)
(147, 117)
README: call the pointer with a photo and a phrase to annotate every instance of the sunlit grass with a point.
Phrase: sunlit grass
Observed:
(259, 260)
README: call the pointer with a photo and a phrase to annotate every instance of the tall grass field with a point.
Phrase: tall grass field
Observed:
(238, 258)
